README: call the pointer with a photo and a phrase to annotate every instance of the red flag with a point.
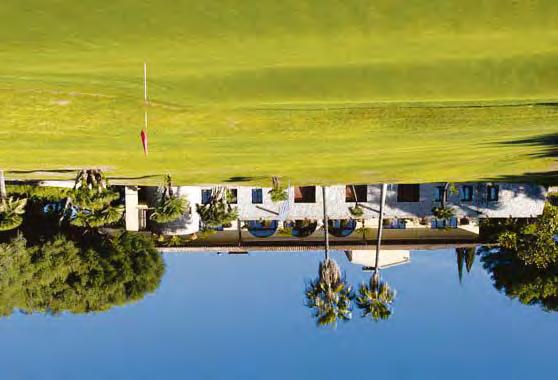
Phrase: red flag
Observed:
(144, 141)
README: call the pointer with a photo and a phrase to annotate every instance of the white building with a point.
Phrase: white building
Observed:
(406, 205)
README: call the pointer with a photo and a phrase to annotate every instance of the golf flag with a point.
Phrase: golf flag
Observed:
(144, 140)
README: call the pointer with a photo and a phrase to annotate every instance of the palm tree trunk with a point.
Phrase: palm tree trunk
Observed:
(444, 197)
(326, 222)
(169, 186)
(3, 192)
(380, 229)
(363, 230)
(355, 194)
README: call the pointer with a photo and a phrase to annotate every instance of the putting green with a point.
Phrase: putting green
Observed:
(309, 90)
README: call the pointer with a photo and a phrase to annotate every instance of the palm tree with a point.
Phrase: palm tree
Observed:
(3, 193)
(375, 299)
(329, 295)
(11, 209)
(218, 211)
(278, 192)
(170, 207)
(91, 200)
(356, 211)
(443, 212)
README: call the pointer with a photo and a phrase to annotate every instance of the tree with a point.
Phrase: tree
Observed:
(443, 212)
(3, 192)
(90, 203)
(529, 284)
(11, 209)
(62, 276)
(218, 211)
(329, 295)
(170, 207)
(357, 211)
(470, 258)
(278, 192)
(375, 299)
(464, 256)
(11, 213)
(534, 242)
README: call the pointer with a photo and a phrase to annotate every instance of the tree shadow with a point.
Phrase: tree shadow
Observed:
(243, 179)
(549, 144)
(139, 177)
(548, 141)
(58, 171)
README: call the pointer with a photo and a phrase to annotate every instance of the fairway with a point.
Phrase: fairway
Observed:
(316, 91)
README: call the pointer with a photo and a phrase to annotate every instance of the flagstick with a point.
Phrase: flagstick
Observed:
(145, 91)
(145, 82)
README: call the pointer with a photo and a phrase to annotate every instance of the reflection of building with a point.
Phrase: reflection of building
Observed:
(387, 258)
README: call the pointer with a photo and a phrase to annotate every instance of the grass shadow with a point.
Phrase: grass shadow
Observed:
(548, 144)
(243, 179)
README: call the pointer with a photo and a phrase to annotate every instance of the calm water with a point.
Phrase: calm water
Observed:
(221, 316)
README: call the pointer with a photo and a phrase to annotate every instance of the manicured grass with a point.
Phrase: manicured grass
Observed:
(301, 89)
(56, 131)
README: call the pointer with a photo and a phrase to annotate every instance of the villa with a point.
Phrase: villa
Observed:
(408, 214)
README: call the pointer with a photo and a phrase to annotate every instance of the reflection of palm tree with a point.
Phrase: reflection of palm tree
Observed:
(375, 299)
(329, 294)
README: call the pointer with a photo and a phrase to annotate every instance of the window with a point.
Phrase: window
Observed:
(257, 196)
(233, 196)
(438, 193)
(408, 193)
(305, 194)
(354, 193)
(466, 193)
(206, 196)
(493, 191)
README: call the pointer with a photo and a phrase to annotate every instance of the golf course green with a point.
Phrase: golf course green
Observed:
(314, 91)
